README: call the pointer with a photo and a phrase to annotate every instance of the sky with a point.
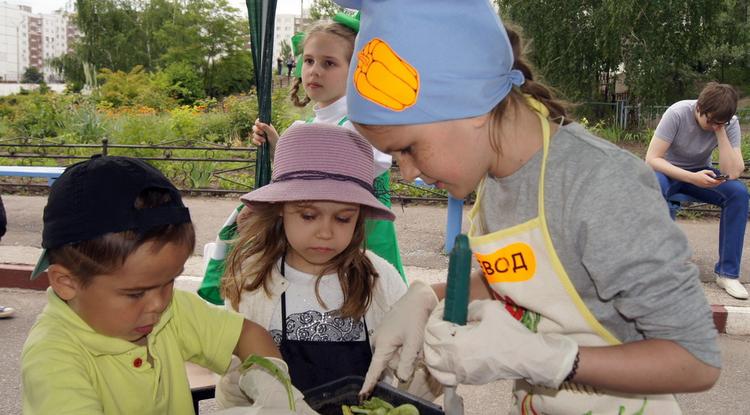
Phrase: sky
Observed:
(47, 6)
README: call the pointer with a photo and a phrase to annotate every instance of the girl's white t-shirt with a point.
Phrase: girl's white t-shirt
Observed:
(306, 318)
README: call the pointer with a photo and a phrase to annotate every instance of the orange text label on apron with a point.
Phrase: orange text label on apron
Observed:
(523, 269)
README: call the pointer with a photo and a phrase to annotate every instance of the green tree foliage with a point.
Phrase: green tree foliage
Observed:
(34, 114)
(286, 50)
(230, 74)
(185, 84)
(70, 66)
(663, 49)
(204, 34)
(727, 54)
(120, 35)
(32, 75)
(323, 9)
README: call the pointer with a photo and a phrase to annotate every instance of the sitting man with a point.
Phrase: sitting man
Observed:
(680, 153)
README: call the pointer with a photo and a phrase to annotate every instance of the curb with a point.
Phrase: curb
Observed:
(18, 276)
(733, 320)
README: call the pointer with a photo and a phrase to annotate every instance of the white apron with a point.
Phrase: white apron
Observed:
(523, 269)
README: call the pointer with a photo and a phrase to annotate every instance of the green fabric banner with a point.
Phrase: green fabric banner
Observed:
(261, 16)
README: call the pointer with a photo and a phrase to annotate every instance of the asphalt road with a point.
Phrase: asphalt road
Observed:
(420, 231)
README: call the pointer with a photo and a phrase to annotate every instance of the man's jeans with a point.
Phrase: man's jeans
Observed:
(732, 197)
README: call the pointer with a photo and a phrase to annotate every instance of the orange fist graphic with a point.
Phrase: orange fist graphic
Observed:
(384, 78)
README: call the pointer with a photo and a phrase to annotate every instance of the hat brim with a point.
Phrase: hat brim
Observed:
(300, 190)
(41, 265)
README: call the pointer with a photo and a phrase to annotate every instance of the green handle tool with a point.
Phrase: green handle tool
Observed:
(457, 307)
(457, 289)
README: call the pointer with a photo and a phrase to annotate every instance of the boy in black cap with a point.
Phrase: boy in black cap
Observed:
(114, 336)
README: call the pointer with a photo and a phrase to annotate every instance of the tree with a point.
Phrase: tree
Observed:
(70, 66)
(286, 49)
(323, 9)
(121, 35)
(580, 45)
(32, 75)
(204, 33)
(726, 57)
(233, 74)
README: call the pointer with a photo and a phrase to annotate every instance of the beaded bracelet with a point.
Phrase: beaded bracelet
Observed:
(573, 370)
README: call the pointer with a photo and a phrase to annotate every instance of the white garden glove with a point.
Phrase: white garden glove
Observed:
(398, 339)
(422, 384)
(493, 345)
(268, 392)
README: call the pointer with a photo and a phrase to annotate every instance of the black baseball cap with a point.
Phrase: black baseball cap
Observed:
(97, 196)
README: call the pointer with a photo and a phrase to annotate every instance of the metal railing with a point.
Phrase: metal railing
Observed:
(627, 116)
(196, 167)
(199, 167)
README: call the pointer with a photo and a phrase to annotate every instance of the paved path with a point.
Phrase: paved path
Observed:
(420, 230)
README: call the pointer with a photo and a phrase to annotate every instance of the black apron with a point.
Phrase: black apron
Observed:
(314, 363)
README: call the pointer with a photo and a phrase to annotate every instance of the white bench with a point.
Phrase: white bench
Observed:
(49, 173)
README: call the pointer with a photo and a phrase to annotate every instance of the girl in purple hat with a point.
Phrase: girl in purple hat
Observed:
(299, 268)
(326, 50)
(325, 53)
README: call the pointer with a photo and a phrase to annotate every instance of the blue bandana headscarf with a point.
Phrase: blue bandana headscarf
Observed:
(423, 61)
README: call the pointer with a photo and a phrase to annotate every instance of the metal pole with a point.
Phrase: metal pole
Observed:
(453, 222)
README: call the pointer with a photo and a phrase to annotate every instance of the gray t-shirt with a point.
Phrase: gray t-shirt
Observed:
(627, 259)
(690, 145)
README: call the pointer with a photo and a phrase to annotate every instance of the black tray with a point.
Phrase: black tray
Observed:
(328, 398)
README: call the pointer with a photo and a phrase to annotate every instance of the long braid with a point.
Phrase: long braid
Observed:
(542, 93)
(294, 94)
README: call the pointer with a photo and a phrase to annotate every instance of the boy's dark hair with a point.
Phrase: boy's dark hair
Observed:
(719, 101)
(107, 253)
(101, 210)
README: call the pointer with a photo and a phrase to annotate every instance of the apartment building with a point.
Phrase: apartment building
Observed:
(32, 39)
(284, 31)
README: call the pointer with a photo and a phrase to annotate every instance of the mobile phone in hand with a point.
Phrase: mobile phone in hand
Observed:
(721, 176)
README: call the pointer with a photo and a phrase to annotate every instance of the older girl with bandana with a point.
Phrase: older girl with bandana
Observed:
(585, 294)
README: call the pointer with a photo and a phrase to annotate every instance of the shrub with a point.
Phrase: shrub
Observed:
(135, 89)
(242, 111)
(185, 84)
(185, 122)
(36, 115)
(84, 124)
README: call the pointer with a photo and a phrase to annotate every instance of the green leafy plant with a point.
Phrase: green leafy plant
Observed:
(199, 173)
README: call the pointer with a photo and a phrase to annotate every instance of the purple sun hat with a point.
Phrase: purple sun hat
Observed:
(321, 162)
